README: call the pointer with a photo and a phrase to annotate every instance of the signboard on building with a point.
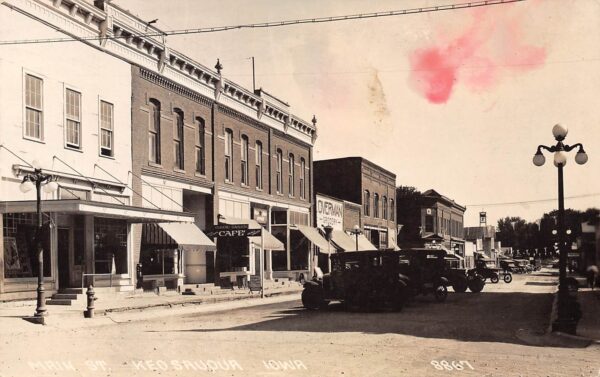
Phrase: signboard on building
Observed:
(261, 215)
(329, 212)
(232, 230)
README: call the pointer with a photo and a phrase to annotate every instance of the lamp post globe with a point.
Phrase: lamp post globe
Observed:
(539, 159)
(559, 132)
(560, 158)
(26, 186)
(581, 157)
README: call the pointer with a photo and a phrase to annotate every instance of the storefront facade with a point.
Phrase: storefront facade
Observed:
(357, 180)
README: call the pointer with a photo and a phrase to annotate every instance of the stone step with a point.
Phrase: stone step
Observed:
(76, 291)
(65, 296)
(59, 301)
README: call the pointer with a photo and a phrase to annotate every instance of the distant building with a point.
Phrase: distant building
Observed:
(484, 237)
(429, 219)
(357, 180)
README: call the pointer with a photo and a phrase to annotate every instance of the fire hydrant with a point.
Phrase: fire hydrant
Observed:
(89, 313)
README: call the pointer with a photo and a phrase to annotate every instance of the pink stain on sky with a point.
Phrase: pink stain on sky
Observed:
(493, 44)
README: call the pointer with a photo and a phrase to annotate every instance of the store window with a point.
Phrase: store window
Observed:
(20, 249)
(259, 164)
(106, 129)
(73, 119)
(34, 112)
(302, 178)
(228, 155)
(178, 140)
(384, 207)
(279, 170)
(110, 243)
(200, 147)
(154, 132)
(244, 160)
(291, 175)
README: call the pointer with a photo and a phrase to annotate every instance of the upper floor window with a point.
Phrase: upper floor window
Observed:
(367, 203)
(279, 168)
(178, 140)
(73, 119)
(259, 164)
(34, 116)
(302, 178)
(244, 160)
(429, 223)
(392, 210)
(228, 155)
(154, 132)
(384, 207)
(200, 147)
(376, 205)
(106, 129)
(291, 175)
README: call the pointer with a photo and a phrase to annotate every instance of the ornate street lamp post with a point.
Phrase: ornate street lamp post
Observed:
(565, 321)
(356, 231)
(36, 180)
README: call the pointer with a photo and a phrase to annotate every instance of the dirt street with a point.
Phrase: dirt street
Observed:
(499, 332)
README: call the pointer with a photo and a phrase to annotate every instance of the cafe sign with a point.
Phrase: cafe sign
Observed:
(329, 212)
(232, 230)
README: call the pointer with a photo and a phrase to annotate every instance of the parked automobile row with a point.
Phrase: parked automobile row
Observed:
(387, 279)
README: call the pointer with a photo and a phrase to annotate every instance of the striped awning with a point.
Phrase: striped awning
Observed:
(268, 240)
(176, 235)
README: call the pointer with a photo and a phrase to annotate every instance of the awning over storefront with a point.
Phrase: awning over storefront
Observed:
(86, 207)
(270, 242)
(188, 236)
(364, 244)
(313, 235)
(343, 241)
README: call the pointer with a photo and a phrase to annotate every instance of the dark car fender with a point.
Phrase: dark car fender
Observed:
(312, 284)
(444, 281)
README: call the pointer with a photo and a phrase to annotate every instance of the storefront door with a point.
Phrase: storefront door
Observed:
(64, 264)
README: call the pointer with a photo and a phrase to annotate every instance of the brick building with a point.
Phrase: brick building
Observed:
(429, 219)
(357, 180)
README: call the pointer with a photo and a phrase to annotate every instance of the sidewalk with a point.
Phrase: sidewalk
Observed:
(138, 307)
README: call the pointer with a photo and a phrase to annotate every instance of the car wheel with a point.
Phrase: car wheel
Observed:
(494, 279)
(441, 293)
(476, 284)
(507, 278)
(312, 298)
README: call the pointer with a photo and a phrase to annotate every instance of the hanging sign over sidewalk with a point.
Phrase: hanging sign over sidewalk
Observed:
(232, 230)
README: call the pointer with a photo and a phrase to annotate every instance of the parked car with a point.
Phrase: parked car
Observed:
(362, 280)
(487, 269)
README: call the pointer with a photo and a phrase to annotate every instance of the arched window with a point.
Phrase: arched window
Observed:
(384, 207)
(279, 168)
(244, 160)
(376, 205)
(367, 203)
(392, 210)
(302, 178)
(259, 163)
(228, 155)
(200, 147)
(154, 132)
(291, 175)
(178, 139)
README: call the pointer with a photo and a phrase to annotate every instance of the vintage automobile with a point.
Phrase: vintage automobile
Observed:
(362, 280)
(427, 272)
(486, 268)
(460, 278)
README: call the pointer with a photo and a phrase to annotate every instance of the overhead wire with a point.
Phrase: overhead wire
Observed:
(262, 25)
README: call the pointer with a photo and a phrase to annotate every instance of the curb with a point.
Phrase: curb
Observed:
(191, 302)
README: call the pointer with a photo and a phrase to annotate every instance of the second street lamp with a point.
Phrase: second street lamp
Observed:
(356, 232)
(567, 318)
(36, 180)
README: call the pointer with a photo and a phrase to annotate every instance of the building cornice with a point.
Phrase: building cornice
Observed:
(129, 38)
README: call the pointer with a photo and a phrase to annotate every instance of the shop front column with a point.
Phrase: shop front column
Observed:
(269, 269)
(89, 248)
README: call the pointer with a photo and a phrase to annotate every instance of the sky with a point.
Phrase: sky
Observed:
(457, 101)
